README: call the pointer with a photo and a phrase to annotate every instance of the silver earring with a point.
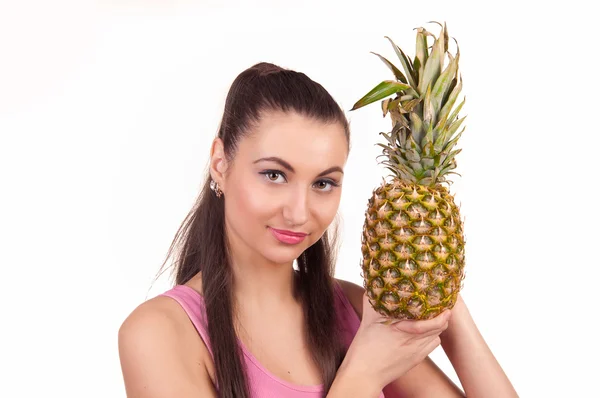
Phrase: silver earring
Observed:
(215, 187)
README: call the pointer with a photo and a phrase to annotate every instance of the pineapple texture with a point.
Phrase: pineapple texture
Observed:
(413, 250)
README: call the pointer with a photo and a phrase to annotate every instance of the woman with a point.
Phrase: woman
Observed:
(241, 321)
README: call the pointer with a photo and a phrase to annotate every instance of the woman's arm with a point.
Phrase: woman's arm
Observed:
(424, 380)
(157, 358)
(349, 383)
(478, 370)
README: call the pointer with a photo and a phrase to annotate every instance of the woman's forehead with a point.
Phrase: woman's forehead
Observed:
(294, 134)
(297, 139)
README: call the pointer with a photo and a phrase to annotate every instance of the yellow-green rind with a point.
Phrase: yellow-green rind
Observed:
(413, 250)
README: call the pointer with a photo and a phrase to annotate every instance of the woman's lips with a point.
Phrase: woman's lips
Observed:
(288, 237)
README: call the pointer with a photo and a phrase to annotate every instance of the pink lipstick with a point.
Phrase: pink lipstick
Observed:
(288, 237)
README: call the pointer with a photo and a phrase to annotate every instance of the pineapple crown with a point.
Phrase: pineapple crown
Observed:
(419, 148)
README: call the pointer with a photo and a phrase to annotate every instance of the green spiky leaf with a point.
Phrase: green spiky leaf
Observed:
(379, 92)
(447, 107)
(421, 54)
(397, 73)
(406, 64)
(429, 113)
(433, 66)
(443, 83)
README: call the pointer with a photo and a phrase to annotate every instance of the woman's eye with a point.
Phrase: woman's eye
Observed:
(273, 176)
(325, 185)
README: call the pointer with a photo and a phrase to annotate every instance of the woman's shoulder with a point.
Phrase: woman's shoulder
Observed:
(159, 312)
(157, 338)
(158, 322)
(354, 294)
(160, 317)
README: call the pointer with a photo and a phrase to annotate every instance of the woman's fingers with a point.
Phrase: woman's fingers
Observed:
(425, 327)
(418, 329)
(432, 345)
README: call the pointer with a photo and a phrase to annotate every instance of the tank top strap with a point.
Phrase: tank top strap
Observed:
(347, 317)
(192, 303)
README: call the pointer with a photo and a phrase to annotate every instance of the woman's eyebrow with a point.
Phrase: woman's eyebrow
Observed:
(289, 167)
(330, 170)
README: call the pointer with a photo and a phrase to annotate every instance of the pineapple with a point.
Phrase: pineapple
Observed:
(412, 239)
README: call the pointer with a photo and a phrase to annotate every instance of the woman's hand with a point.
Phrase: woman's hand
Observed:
(382, 352)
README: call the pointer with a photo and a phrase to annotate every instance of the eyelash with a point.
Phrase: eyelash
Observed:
(330, 182)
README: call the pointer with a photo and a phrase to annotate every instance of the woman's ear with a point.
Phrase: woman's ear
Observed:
(218, 163)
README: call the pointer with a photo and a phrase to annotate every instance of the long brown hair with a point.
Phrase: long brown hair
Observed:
(200, 243)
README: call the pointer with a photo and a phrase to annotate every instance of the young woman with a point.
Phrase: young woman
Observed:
(241, 321)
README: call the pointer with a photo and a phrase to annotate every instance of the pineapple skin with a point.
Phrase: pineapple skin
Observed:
(413, 250)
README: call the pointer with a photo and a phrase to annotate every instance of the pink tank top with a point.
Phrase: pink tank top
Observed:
(263, 384)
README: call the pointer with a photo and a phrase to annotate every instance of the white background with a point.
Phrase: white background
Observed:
(107, 110)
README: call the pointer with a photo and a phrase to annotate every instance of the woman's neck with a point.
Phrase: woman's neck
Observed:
(263, 285)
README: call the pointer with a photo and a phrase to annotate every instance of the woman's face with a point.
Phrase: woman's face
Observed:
(282, 189)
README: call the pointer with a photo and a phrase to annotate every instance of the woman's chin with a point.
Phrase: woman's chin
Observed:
(286, 257)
